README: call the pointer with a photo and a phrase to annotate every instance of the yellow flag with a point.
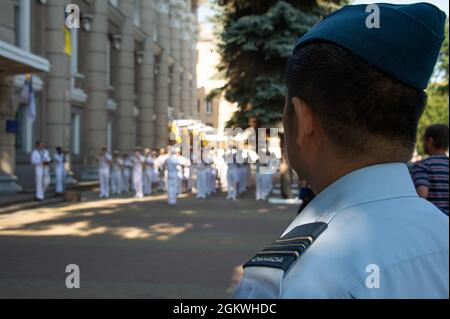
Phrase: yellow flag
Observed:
(68, 42)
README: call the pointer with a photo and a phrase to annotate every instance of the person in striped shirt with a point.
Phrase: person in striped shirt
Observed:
(430, 175)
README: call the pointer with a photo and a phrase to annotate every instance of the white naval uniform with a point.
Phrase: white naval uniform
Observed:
(260, 191)
(377, 227)
(126, 173)
(138, 162)
(159, 163)
(201, 183)
(148, 174)
(264, 182)
(116, 176)
(173, 177)
(60, 172)
(186, 171)
(103, 174)
(41, 171)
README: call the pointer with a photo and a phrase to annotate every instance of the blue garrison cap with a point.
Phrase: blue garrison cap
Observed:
(406, 45)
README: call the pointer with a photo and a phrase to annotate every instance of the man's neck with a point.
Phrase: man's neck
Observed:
(332, 173)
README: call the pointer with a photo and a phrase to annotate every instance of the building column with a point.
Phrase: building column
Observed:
(176, 7)
(58, 108)
(7, 110)
(125, 81)
(7, 140)
(162, 93)
(146, 88)
(193, 67)
(96, 114)
(185, 63)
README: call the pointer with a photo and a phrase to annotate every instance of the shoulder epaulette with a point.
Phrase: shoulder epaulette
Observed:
(285, 251)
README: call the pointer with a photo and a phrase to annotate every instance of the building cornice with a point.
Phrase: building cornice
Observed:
(139, 35)
(157, 50)
(115, 15)
(14, 60)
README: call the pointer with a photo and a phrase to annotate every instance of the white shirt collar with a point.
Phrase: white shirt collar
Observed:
(371, 183)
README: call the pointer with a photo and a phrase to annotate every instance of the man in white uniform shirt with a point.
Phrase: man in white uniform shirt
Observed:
(104, 162)
(354, 98)
(173, 176)
(40, 159)
(138, 165)
(60, 159)
(116, 174)
(148, 172)
(126, 172)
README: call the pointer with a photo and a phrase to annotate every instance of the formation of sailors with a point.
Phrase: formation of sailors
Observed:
(145, 171)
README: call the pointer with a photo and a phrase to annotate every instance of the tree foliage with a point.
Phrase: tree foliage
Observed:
(437, 109)
(256, 37)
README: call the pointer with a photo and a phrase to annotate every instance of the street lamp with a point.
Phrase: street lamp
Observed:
(139, 57)
(117, 41)
(86, 22)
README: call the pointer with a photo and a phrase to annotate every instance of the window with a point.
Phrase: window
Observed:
(25, 127)
(137, 13)
(22, 24)
(208, 107)
(75, 126)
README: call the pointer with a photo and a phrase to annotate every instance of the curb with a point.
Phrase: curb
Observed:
(30, 203)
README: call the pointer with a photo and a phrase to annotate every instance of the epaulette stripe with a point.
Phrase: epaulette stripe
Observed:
(289, 245)
(282, 253)
(269, 252)
(294, 238)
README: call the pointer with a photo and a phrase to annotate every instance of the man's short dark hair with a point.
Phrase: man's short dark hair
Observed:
(356, 103)
(439, 134)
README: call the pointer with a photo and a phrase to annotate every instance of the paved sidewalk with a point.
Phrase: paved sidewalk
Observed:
(26, 200)
(136, 248)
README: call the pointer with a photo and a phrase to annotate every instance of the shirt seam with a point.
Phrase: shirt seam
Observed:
(385, 197)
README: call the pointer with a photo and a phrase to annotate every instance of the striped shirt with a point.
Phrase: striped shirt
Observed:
(432, 172)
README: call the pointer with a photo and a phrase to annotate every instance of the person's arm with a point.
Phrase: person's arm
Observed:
(420, 179)
(422, 191)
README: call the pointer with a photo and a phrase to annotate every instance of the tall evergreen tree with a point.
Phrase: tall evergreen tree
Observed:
(256, 37)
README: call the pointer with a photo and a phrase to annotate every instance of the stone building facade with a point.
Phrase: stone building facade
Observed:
(117, 81)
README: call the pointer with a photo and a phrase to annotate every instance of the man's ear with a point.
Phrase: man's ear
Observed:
(305, 120)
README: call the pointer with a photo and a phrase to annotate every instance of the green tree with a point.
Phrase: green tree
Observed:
(256, 37)
(437, 109)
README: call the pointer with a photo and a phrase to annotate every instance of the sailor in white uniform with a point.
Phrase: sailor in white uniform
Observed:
(60, 172)
(104, 162)
(173, 167)
(40, 159)
(149, 166)
(232, 174)
(201, 183)
(367, 233)
(259, 182)
(126, 172)
(138, 164)
(162, 174)
(116, 173)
